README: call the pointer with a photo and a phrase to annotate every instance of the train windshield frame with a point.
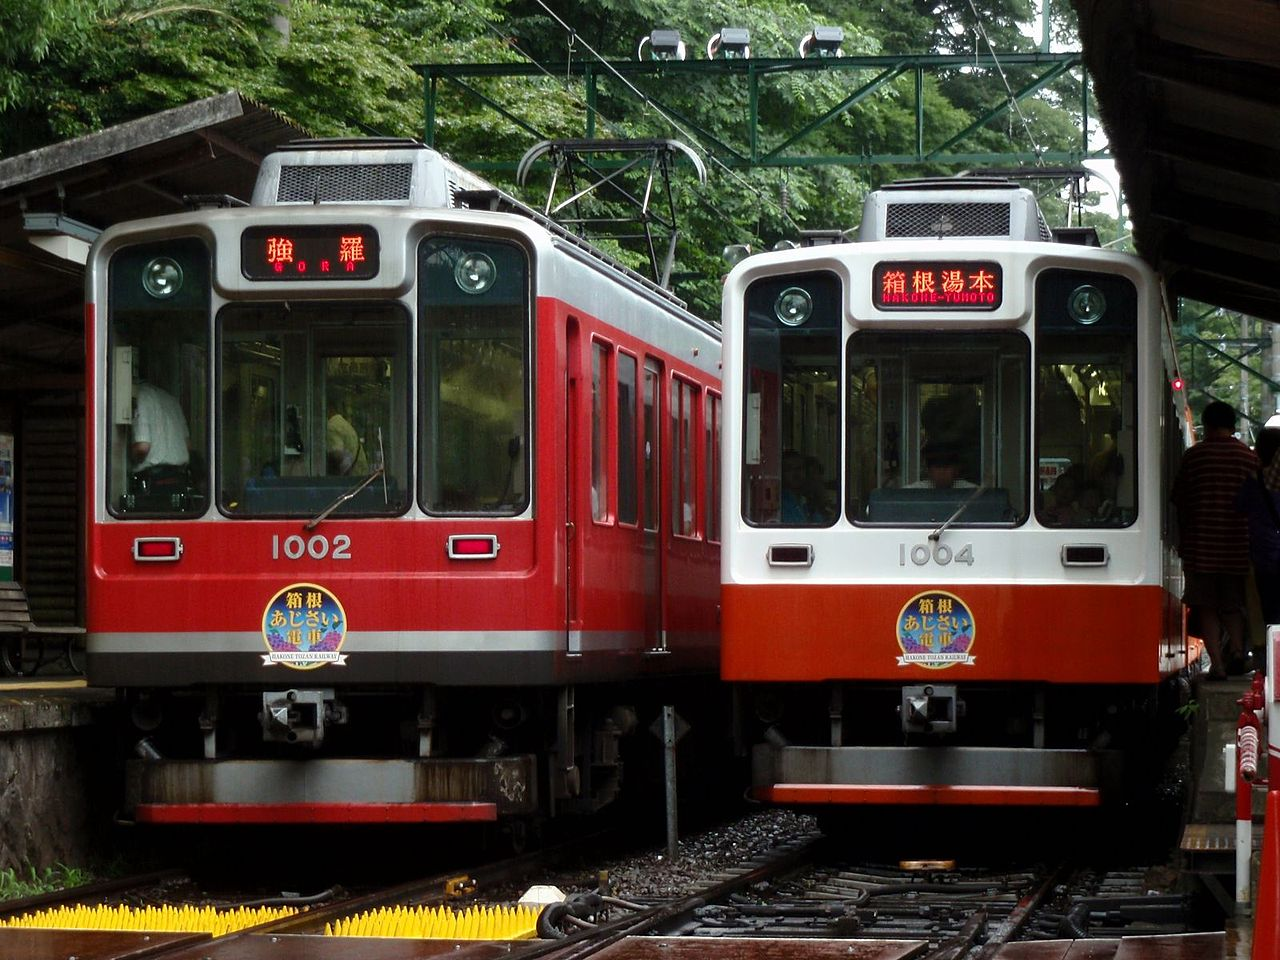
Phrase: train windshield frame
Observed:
(938, 427)
(313, 401)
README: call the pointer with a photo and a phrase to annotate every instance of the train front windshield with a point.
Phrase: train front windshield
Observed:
(314, 399)
(937, 427)
(924, 426)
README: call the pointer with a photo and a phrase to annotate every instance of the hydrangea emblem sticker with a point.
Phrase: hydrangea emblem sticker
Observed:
(304, 627)
(935, 630)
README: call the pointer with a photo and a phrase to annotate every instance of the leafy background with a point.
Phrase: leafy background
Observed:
(69, 67)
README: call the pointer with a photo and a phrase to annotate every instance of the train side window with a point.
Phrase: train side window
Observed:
(684, 401)
(713, 466)
(628, 505)
(313, 399)
(1086, 384)
(474, 304)
(157, 379)
(651, 449)
(791, 428)
(599, 431)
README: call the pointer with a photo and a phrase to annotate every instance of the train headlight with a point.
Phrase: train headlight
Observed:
(475, 273)
(793, 306)
(1087, 304)
(162, 277)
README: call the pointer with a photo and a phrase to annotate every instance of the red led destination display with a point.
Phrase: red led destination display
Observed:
(937, 285)
(309, 253)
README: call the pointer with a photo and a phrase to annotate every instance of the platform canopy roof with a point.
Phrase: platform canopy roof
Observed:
(1189, 93)
(54, 199)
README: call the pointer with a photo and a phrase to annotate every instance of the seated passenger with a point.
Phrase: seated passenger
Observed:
(942, 466)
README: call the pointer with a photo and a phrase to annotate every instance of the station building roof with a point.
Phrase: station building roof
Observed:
(53, 200)
(1187, 93)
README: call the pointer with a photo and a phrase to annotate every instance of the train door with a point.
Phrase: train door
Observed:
(651, 533)
(576, 520)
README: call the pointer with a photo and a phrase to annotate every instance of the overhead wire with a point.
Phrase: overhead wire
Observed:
(574, 38)
(675, 124)
(1013, 100)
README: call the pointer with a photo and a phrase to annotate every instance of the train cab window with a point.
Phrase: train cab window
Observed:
(313, 404)
(938, 427)
(474, 305)
(157, 316)
(1086, 400)
(791, 430)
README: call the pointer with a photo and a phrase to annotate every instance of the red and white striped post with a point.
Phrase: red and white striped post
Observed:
(1248, 743)
(1266, 918)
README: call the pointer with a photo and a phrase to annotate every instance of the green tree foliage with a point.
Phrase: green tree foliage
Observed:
(68, 67)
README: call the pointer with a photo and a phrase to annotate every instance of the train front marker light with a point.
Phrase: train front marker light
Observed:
(162, 278)
(475, 273)
(1086, 305)
(793, 307)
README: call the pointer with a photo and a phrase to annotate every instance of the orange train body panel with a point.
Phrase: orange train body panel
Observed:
(1062, 633)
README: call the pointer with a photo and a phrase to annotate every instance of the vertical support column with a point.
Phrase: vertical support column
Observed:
(669, 737)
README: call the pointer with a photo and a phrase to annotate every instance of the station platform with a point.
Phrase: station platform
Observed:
(56, 798)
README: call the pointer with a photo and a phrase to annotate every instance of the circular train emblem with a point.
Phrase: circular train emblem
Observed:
(935, 630)
(304, 626)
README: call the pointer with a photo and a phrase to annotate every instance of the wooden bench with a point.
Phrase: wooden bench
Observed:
(24, 644)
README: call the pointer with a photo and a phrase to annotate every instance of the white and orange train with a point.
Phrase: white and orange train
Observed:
(947, 575)
(400, 507)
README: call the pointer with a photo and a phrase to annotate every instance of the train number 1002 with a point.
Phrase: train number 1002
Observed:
(921, 554)
(317, 547)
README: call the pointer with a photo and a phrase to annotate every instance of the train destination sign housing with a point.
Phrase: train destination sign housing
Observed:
(937, 285)
(309, 253)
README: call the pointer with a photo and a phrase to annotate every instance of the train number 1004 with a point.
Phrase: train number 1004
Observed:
(317, 547)
(921, 554)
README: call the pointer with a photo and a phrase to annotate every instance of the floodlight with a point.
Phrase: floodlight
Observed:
(735, 253)
(663, 45)
(731, 43)
(823, 42)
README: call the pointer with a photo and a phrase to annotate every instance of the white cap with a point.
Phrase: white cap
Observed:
(541, 895)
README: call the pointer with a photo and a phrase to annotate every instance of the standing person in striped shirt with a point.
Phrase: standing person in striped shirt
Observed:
(1213, 538)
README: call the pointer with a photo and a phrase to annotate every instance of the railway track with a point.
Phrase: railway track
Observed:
(791, 899)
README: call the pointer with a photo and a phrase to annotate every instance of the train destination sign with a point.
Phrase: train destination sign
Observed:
(937, 285)
(309, 253)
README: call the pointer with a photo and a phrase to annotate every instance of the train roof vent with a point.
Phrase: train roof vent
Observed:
(950, 208)
(392, 171)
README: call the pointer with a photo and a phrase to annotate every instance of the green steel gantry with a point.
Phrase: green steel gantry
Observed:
(869, 76)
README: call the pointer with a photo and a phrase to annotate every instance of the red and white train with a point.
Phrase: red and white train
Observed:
(947, 576)
(400, 505)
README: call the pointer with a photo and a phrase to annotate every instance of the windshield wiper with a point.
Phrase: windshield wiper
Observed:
(343, 498)
(959, 510)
